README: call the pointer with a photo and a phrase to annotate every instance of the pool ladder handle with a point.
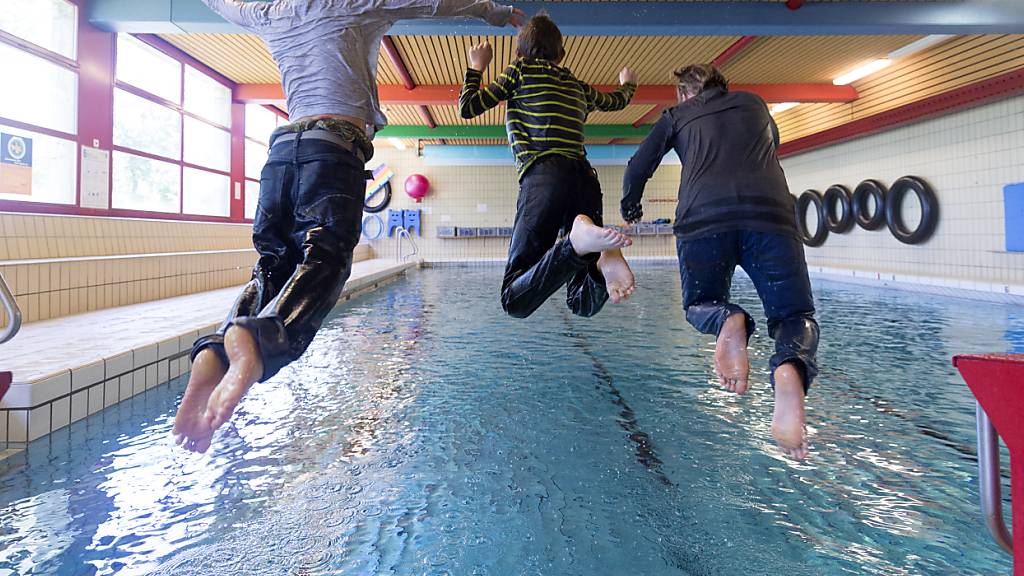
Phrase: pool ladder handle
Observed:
(401, 232)
(989, 481)
(10, 305)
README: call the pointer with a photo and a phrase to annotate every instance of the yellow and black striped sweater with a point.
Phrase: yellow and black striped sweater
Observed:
(547, 107)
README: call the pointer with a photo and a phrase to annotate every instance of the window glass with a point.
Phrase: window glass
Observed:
(54, 167)
(259, 123)
(207, 145)
(146, 126)
(147, 68)
(145, 184)
(207, 98)
(45, 94)
(50, 24)
(255, 157)
(252, 198)
(206, 193)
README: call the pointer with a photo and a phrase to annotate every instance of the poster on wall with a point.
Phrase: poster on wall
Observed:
(15, 164)
(95, 178)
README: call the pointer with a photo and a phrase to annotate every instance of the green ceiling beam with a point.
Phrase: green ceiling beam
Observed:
(592, 131)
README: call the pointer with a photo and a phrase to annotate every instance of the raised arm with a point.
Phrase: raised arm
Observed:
(642, 166)
(474, 100)
(610, 102)
(486, 10)
(251, 15)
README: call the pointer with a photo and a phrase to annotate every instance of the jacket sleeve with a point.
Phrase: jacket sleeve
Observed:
(474, 100)
(608, 101)
(644, 162)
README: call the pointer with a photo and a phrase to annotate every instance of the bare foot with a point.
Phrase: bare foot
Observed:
(731, 363)
(191, 430)
(788, 422)
(617, 275)
(588, 238)
(246, 368)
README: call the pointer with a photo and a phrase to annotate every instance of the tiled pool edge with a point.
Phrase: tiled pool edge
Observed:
(75, 394)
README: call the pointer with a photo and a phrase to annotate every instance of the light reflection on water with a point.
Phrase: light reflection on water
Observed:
(425, 433)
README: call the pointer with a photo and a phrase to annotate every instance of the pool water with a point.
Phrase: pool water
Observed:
(426, 433)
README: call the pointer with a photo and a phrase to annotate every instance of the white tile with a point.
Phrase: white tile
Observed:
(39, 423)
(80, 405)
(111, 392)
(119, 364)
(61, 414)
(85, 376)
(145, 355)
(3, 428)
(127, 387)
(17, 426)
(168, 348)
(152, 376)
(163, 372)
(139, 381)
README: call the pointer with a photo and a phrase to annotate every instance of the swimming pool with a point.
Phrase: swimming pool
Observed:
(426, 433)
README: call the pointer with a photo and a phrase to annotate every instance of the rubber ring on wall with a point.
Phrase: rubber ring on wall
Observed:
(869, 189)
(836, 198)
(894, 210)
(821, 233)
(375, 208)
(380, 227)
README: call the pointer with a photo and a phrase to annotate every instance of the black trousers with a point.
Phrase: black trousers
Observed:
(307, 225)
(554, 190)
(776, 265)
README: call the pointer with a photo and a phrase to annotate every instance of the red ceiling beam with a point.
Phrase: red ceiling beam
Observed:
(650, 95)
(391, 51)
(730, 52)
(649, 116)
(995, 88)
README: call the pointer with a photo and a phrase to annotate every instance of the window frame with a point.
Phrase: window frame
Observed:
(247, 139)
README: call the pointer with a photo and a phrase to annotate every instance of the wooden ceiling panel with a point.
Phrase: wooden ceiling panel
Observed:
(627, 115)
(403, 116)
(449, 115)
(782, 59)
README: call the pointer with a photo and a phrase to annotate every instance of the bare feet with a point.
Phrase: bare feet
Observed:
(246, 368)
(617, 275)
(588, 238)
(731, 363)
(788, 423)
(191, 429)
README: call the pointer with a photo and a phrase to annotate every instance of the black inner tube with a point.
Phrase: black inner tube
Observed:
(862, 212)
(821, 233)
(375, 208)
(838, 197)
(894, 210)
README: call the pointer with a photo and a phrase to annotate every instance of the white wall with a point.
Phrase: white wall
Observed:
(967, 157)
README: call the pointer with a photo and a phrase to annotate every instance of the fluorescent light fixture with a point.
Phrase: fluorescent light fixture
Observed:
(397, 143)
(783, 106)
(858, 73)
(918, 45)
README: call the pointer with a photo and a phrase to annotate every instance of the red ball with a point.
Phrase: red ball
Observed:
(417, 187)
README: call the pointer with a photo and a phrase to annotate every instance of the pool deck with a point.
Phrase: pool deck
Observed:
(68, 368)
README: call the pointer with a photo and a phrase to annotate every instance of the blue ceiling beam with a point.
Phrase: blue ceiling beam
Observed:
(638, 18)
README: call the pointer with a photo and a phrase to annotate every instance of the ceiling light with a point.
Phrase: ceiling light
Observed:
(918, 45)
(857, 74)
(397, 143)
(783, 106)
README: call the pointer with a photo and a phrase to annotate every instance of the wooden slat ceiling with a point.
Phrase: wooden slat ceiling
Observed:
(958, 62)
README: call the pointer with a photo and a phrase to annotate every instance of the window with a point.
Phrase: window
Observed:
(260, 123)
(49, 24)
(174, 120)
(41, 99)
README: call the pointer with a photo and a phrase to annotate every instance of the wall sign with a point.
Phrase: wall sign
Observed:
(1013, 210)
(15, 164)
(95, 177)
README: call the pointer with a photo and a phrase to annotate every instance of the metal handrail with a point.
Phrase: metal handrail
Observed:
(988, 481)
(402, 232)
(10, 305)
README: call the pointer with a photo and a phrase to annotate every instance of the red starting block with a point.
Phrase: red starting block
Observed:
(5, 383)
(997, 381)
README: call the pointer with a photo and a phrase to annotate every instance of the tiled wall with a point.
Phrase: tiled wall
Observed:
(967, 157)
(61, 265)
(486, 196)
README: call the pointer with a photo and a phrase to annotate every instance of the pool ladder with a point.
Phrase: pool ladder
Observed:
(401, 233)
(989, 479)
(10, 305)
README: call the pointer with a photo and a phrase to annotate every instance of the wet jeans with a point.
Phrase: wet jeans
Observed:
(307, 225)
(775, 264)
(551, 194)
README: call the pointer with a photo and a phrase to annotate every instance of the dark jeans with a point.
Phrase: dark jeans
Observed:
(551, 194)
(775, 263)
(307, 225)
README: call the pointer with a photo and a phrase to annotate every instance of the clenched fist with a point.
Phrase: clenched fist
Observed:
(480, 56)
(627, 76)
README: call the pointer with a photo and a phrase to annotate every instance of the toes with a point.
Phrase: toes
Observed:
(203, 445)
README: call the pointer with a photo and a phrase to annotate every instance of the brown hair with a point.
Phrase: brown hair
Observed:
(540, 39)
(695, 78)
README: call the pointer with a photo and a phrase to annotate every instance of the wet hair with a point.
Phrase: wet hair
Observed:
(540, 39)
(696, 78)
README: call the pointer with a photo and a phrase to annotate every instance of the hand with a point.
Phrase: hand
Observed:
(627, 76)
(480, 56)
(517, 19)
(632, 213)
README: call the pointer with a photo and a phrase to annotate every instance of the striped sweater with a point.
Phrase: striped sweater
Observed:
(547, 107)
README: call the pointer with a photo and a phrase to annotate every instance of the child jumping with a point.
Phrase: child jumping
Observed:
(558, 189)
(311, 189)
